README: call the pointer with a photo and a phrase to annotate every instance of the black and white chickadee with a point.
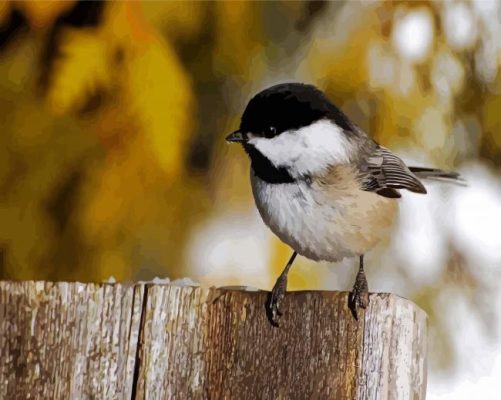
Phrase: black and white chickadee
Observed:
(320, 183)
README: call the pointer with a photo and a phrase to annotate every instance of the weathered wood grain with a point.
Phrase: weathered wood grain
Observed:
(68, 340)
(394, 350)
(218, 344)
(102, 341)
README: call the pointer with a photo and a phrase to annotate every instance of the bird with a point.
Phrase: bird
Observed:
(321, 183)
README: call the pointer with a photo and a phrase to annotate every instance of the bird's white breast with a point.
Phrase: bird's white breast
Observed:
(324, 223)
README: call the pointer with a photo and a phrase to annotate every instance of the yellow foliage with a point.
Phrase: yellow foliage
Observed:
(41, 14)
(112, 263)
(82, 68)
(143, 126)
(155, 85)
(4, 11)
(491, 139)
(239, 39)
(181, 19)
(156, 90)
(160, 95)
(21, 231)
(124, 179)
(396, 124)
(118, 200)
(331, 60)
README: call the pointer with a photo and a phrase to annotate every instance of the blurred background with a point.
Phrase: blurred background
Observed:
(113, 163)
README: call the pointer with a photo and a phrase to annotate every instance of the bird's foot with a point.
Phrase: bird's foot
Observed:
(359, 295)
(275, 297)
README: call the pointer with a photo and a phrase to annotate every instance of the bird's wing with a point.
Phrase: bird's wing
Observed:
(384, 173)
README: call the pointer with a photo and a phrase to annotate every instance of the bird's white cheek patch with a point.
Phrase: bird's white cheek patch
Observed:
(280, 150)
(306, 150)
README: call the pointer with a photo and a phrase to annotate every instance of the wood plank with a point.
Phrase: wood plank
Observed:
(68, 340)
(207, 343)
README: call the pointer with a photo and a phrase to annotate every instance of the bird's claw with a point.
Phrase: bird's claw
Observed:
(356, 301)
(359, 296)
(275, 299)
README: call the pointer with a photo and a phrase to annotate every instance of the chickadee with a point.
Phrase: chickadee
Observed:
(320, 183)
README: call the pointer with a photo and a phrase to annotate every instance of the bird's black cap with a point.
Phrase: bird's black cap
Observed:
(289, 106)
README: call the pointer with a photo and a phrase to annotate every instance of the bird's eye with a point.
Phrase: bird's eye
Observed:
(270, 131)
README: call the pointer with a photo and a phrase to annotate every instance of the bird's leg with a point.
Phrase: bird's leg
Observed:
(277, 294)
(359, 295)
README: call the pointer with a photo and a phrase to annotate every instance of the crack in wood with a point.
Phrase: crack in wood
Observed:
(144, 301)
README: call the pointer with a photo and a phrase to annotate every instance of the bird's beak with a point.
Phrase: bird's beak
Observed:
(236, 137)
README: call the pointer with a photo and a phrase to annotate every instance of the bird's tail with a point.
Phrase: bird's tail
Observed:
(438, 175)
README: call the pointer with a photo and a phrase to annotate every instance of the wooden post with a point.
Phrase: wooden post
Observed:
(106, 341)
(68, 340)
